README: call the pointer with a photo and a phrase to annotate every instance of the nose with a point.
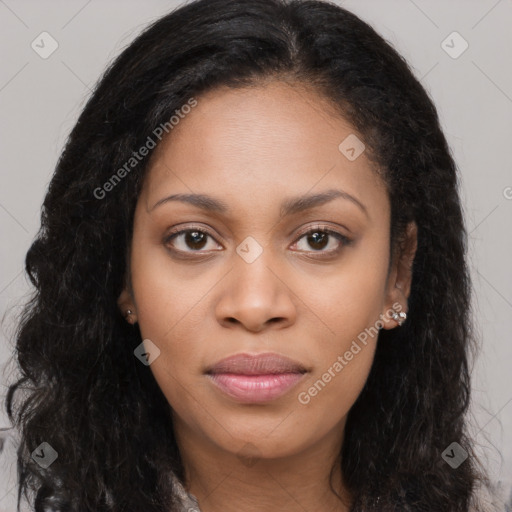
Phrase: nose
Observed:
(256, 296)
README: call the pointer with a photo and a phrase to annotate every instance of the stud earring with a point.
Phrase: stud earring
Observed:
(399, 317)
(128, 313)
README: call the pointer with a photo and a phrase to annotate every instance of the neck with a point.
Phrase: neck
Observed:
(224, 481)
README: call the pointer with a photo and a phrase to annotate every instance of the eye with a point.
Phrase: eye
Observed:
(320, 237)
(193, 238)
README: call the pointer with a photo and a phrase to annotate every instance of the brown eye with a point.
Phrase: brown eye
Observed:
(317, 239)
(189, 240)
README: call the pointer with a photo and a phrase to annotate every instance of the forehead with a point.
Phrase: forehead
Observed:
(260, 144)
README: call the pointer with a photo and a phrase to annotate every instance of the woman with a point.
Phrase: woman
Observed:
(251, 285)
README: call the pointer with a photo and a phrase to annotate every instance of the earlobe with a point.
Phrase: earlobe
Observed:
(127, 306)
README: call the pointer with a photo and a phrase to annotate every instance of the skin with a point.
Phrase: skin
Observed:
(251, 148)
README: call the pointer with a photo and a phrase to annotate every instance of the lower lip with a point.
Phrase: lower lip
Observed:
(255, 388)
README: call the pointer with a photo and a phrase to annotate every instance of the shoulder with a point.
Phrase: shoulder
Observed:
(496, 498)
(188, 501)
(9, 442)
(8, 469)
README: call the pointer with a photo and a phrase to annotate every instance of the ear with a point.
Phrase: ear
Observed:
(400, 276)
(126, 305)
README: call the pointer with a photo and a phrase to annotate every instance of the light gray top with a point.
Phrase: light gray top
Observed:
(188, 500)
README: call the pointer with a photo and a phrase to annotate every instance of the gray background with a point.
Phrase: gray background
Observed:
(40, 100)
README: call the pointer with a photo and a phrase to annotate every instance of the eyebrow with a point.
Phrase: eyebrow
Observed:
(289, 206)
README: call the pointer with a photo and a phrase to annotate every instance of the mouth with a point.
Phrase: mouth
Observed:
(257, 378)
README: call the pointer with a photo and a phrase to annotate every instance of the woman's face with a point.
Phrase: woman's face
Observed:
(245, 278)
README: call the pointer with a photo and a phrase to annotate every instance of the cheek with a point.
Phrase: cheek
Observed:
(343, 358)
(167, 296)
(344, 302)
(169, 313)
(338, 379)
(348, 306)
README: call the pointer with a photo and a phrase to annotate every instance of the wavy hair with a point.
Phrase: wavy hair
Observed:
(81, 388)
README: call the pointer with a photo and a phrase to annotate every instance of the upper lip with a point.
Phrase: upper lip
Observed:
(259, 364)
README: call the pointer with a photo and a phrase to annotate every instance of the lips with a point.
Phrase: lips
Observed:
(259, 364)
(257, 378)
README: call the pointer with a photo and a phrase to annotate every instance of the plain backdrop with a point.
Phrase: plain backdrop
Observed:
(40, 100)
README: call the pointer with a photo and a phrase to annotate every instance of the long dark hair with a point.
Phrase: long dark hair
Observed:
(85, 393)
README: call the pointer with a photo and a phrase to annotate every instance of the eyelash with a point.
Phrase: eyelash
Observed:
(344, 241)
